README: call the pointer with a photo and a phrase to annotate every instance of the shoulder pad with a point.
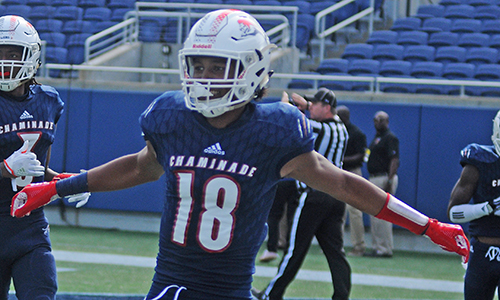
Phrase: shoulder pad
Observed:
(162, 115)
(475, 153)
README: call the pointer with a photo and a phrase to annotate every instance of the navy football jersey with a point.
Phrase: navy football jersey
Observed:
(488, 188)
(220, 188)
(33, 119)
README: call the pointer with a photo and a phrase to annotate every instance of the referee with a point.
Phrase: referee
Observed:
(317, 214)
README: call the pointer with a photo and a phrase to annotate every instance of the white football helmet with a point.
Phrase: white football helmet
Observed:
(238, 38)
(496, 132)
(16, 31)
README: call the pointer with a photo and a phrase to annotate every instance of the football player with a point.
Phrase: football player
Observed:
(475, 198)
(28, 116)
(222, 155)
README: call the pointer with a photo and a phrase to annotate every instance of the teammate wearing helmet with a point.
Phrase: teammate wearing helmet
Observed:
(28, 116)
(222, 155)
(479, 182)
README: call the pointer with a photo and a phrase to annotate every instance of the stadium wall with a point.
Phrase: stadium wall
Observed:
(100, 125)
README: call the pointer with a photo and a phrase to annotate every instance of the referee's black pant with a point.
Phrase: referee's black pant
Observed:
(318, 215)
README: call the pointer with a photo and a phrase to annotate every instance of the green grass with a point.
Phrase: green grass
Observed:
(95, 278)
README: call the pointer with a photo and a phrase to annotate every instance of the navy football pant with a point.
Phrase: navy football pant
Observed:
(483, 271)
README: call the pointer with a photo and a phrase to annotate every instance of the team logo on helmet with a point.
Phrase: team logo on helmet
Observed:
(247, 27)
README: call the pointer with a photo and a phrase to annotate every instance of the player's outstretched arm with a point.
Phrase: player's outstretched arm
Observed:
(121, 173)
(317, 172)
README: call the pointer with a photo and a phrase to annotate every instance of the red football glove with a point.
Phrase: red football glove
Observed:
(33, 196)
(61, 176)
(449, 237)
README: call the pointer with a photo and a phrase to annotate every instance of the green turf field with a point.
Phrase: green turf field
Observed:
(105, 278)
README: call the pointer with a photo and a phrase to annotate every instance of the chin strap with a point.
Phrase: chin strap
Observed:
(399, 213)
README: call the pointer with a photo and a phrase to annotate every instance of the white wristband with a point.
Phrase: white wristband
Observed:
(467, 212)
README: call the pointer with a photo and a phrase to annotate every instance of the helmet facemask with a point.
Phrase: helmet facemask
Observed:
(17, 32)
(237, 41)
(496, 133)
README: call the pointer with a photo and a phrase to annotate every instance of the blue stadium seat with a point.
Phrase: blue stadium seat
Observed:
(458, 71)
(119, 13)
(76, 47)
(304, 6)
(434, 89)
(78, 26)
(91, 3)
(316, 7)
(494, 41)
(305, 31)
(478, 3)
(414, 53)
(239, 2)
(402, 88)
(14, 2)
(487, 91)
(447, 3)
(49, 25)
(98, 14)
(436, 24)
(18, 10)
(38, 2)
(406, 24)
(426, 11)
(66, 13)
(388, 52)
(487, 72)
(466, 26)
(488, 12)
(491, 27)
(113, 4)
(407, 38)
(57, 55)
(382, 37)
(450, 54)
(445, 38)
(40, 13)
(392, 68)
(461, 11)
(150, 29)
(357, 51)
(427, 69)
(53, 39)
(363, 67)
(64, 3)
(336, 85)
(470, 40)
(333, 65)
(345, 12)
(481, 55)
(302, 84)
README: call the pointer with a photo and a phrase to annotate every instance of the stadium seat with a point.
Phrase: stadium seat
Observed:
(447, 3)
(427, 69)
(488, 91)
(78, 26)
(481, 55)
(98, 14)
(41, 13)
(435, 89)
(382, 37)
(407, 38)
(426, 11)
(494, 41)
(118, 14)
(64, 3)
(53, 39)
(363, 67)
(392, 87)
(487, 72)
(57, 55)
(33, 3)
(357, 51)
(333, 65)
(304, 6)
(239, 2)
(393, 68)
(49, 25)
(414, 53)
(490, 27)
(488, 12)
(302, 84)
(450, 54)
(470, 40)
(305, 31)
(461, 11)
(479, 3)
(336, 85)
(406, 24)
(76, 47)
(316, 7)
(436, 24)
(91, 3)
(150, 29)
(388, 52)
(458, 71)
(113, 4)
(466, 26)
(66, 13)
(18, 10)
(14, 2)
(445, 38)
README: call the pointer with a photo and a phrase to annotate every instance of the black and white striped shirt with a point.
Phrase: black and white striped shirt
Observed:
(331, 139)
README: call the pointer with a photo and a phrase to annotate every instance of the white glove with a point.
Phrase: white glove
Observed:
(24, 163)
(81, 199)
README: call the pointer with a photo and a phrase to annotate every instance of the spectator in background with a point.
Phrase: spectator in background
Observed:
(353, 161)
(383, 163)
